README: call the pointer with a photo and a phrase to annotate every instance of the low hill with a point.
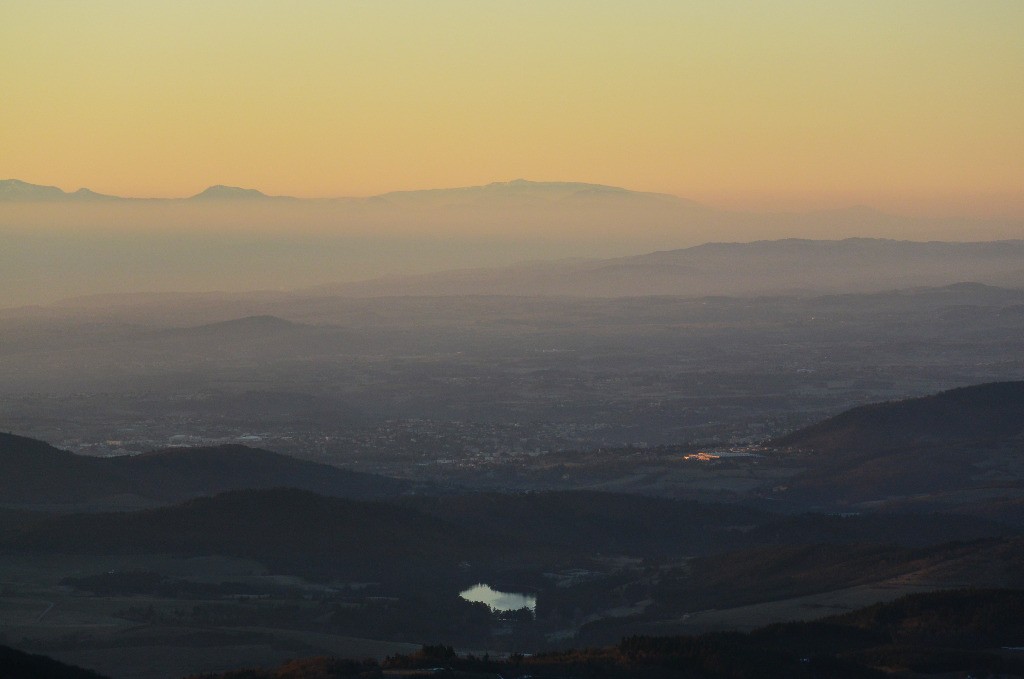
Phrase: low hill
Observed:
(956, 451)
(987, 412)
(15, 664)
(947, 633)
(952, 618)
(588, 521)
(290, 531)
(37, 475)
(771, 574)
(178, 473)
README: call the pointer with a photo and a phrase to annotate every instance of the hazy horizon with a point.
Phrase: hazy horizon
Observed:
(65, 246)
(998, 206)
(792, 105)
(400, 125)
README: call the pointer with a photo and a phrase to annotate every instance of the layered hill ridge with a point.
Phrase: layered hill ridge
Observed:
(241, 239)
(760, 267)
(290, 530)
(15, 190)
(958, 450)
(986, 412)
(517, 189)
(246, 326)
(40, 476)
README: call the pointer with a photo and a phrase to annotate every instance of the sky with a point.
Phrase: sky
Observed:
(915, 106)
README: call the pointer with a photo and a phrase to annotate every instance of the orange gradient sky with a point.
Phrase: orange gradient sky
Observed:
(916, 106)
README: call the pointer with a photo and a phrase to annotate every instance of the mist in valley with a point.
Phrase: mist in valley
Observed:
(308, 428)
(60, 245)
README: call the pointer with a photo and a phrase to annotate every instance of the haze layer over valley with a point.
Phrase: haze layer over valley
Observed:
(421, 376)
(59, 244)
(668, 443)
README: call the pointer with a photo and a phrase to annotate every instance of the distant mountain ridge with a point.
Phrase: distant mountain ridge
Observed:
(240, 239)
(37, 474)
(221, 192)
(520, 189)
(247, 324)
(15, 190)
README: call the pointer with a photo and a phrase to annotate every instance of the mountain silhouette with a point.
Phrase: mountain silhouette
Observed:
(15, 190)
(221, 192)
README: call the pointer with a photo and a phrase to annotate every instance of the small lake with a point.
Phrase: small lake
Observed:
(499, 601)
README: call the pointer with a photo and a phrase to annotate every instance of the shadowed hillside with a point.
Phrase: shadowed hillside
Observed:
(177, 473)
(958, 450)
(987, 412)
(606, 522)
(16, 664)
(35, 473)
(39, 475)
(956, 631)
(292, 531)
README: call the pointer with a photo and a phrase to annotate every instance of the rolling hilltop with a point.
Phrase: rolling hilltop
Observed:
(987, 412)
(38, 475)
(292, 531)
(959, 449)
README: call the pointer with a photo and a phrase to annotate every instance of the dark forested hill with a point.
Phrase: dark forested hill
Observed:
(178, 473)
(952, 633)
(987, 412)
(956, 451)
(15, 664)
(289, 530)
(588, 521)
(39, 475)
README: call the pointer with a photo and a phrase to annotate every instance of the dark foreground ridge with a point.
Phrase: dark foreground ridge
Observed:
(921, 634)
(293, 531)
(15, 664)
